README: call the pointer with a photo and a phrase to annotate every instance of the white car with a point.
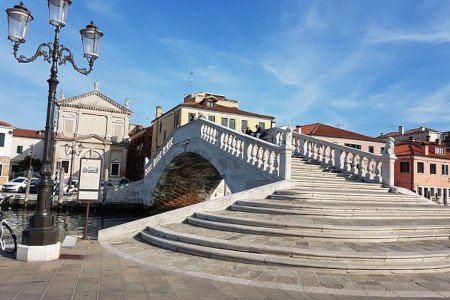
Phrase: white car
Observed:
(18, 184)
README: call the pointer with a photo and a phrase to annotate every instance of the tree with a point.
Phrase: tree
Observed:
(25, 164)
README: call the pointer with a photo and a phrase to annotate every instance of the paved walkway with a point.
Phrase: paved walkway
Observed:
(284, 279)
(100, 274)
(90, 271)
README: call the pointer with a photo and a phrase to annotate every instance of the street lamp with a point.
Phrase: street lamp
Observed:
(41, 230)
(73, 150)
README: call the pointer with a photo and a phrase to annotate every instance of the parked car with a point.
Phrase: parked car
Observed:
(18, 184)
(34, 185)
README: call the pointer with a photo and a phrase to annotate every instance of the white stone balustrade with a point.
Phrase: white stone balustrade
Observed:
(242, 160)
(261, 154)
(364, 165)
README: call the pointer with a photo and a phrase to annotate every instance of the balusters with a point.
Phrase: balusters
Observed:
(233, 146)
(271, 160)
(255, 155)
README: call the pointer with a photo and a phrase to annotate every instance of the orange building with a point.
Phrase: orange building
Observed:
(423, 167)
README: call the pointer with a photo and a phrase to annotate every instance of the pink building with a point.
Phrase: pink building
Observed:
(423, 167)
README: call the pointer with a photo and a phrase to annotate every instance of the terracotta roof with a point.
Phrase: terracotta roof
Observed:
(28, 133)
(418, 149)
(219, 108)
(4, 124)
(407, 132)
(320, 129)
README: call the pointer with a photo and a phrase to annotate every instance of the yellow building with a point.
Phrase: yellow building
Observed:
(216, 108)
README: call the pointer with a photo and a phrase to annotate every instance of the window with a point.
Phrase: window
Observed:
(371, 149)
(160, 127)
(176, 120)
(19, 149)
(2, 140)
(224, 121)
(262, 125)
(117, 130)
(165, 133)
(210, 103)
(69, 125)
(115, 169)
(420, 167)
(356, 146)
(432, 168)
(192, 116)
(65, 166)
(233, 123)
(381, 150)
(404, 167)
(440, 150)
(445, 170)
(212, 118)
(244, 125)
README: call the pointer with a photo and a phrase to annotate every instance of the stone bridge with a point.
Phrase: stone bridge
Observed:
(196, 157)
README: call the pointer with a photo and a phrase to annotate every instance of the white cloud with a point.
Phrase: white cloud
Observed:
(104, 7)
(435, 36)
(431, 108)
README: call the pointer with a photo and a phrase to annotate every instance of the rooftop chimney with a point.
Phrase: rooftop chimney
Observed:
(158, 111)
(427, 150)
(401, 130)
(438, 141)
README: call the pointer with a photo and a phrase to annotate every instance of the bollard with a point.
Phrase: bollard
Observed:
(445, 198)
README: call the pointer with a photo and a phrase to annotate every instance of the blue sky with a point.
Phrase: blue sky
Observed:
(366, 65)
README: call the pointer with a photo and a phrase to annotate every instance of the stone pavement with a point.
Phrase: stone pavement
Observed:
(100, 274)
(301, 281)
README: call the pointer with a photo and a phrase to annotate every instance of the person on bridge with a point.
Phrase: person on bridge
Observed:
(258, 131)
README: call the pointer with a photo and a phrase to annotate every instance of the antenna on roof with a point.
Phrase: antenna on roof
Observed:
(190, 80)
(339, 125)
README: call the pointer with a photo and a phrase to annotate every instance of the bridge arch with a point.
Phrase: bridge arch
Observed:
(244, 162)
(189, 177)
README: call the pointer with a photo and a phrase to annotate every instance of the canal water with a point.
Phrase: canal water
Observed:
(71, 223)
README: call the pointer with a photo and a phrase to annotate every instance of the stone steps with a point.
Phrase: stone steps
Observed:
(368, 206)
(282, 256)
(329, 196)
(341, 214)
(249, 220)
(339, 185)
(330, 221)
(356, 201)
(331, 180)
(337, 236)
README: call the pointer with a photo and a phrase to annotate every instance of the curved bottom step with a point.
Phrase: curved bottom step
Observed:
(258, 258)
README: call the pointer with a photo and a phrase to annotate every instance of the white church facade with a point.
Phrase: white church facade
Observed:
(92, 125)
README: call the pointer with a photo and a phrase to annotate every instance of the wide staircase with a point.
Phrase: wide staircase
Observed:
(329, 221)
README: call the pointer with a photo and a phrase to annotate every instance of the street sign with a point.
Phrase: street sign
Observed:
(89, 182)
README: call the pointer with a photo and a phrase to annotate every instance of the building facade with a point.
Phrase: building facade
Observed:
(139, 150)
(92, 125)
(421, 134)
(25, 143)
(343, 137)
(423, 167)
(6, 134)
(214, 107)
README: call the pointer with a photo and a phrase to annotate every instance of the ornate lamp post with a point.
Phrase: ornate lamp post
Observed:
(41, 231)
(73, 150)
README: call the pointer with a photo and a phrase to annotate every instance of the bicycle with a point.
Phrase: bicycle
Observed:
(8, 239)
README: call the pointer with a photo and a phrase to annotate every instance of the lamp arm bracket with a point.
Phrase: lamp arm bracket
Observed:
(68, 57)
(39, 52)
